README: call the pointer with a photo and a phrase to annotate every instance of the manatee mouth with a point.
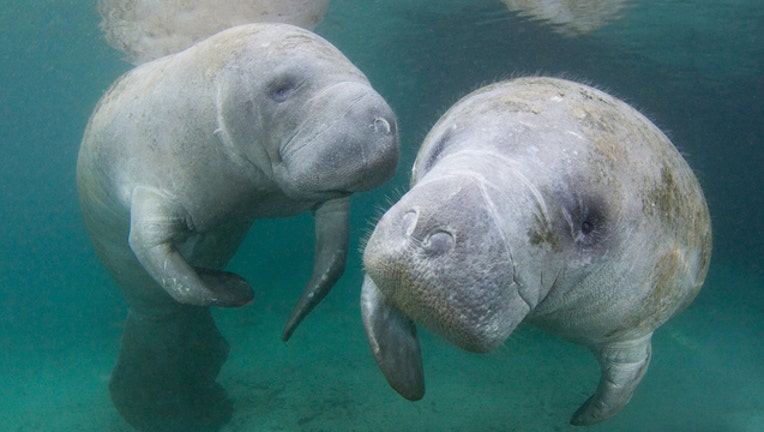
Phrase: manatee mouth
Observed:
(338, 193)
(319, 196)
(393, 341)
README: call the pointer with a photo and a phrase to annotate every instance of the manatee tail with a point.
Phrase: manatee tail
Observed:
(164, 379)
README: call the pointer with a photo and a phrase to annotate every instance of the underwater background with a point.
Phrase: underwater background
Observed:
(696, 68)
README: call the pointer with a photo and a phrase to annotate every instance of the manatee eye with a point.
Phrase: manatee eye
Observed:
(437, 149)
(586, 227)
(592, 228)
(586, 220)
(280, 89)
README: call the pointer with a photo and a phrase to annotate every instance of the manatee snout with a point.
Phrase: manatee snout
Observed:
(347, 143)
(428, 262)
(450, 271)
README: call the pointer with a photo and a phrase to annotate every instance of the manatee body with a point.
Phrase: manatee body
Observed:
(545, 201)
(179, 158)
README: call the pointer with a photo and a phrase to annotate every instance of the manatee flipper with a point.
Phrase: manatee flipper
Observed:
(393, 341)
(332, 232)
(156, 223)
(164, 379)
(622, 364)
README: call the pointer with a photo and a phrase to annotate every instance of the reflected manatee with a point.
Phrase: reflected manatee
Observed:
(569, 17)
(148, 29)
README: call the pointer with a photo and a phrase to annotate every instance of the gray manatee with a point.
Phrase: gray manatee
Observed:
(545, 201)
(179, 158)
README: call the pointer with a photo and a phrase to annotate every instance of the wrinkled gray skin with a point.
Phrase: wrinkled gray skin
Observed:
(180, 157)
(545, 201)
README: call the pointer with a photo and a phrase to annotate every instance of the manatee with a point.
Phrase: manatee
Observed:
(570, 17)
(544, 201)
(148, 29)
(179, 158)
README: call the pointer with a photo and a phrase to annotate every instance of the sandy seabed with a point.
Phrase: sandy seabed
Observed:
(706, 375)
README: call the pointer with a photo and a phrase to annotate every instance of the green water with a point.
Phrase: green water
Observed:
(695, 68)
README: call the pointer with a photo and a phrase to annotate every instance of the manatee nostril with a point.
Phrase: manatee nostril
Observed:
(381, 125)
(438, 242)
(408, 222)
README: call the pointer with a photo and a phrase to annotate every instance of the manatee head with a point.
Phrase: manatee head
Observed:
(447, 268)
(295, 107)
(438, 257)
